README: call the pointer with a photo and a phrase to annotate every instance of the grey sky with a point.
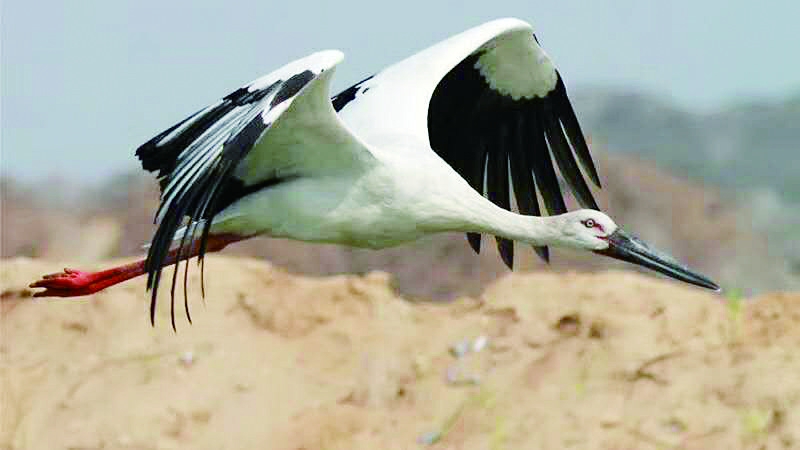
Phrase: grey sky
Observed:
(84, 83)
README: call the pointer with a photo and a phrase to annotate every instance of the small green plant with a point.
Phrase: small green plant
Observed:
(756, 422)
(432, 437)
(499, 434)
(485, 399)
(735, 301)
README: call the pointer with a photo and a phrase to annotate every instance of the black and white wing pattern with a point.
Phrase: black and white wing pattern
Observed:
(221, 153)
(490, 138)
(491, 104)
(348, 95)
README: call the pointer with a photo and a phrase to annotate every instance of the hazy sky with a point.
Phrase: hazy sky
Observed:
(84, 83)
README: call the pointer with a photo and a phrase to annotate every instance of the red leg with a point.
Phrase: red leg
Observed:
(75, 283)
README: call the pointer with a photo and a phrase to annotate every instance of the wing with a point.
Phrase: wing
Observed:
(492, 105)
(273, 129)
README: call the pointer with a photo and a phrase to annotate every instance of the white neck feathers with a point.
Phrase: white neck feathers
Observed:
(471, 212)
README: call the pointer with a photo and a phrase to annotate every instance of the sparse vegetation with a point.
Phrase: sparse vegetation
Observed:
(735, 301)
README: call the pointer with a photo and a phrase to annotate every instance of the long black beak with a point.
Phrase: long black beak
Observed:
(625, 247)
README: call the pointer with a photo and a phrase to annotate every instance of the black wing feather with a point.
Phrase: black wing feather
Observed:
(543, 169)
(522, 178)
(497, 185)
(341, 99)
(162, 154)
(473, 169)
(471, 125)
(573, 128)
(566, 162)
(196, 160)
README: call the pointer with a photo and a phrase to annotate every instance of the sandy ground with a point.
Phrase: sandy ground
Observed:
(275, 361)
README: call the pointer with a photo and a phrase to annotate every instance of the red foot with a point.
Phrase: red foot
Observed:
(75, 283)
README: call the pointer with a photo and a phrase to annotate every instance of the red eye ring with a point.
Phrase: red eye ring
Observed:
(590, 223)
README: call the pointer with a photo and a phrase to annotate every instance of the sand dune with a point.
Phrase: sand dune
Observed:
(612, 360)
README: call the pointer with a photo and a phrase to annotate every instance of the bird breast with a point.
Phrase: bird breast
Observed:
(372, 209)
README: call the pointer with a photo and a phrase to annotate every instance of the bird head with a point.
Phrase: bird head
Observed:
(592, 230)
(586, 229)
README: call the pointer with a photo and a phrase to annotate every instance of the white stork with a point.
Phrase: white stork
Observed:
(434, 143)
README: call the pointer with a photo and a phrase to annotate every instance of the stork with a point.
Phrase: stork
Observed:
(435, 143)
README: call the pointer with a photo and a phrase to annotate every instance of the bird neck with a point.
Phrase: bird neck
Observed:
(474, 213)
(517, 227)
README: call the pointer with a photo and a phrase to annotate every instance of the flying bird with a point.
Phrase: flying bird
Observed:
(438, 142)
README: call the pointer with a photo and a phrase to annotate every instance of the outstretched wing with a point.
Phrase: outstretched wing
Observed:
(492, 105)
(237, 146)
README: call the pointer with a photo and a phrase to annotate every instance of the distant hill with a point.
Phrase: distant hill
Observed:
(747, 146)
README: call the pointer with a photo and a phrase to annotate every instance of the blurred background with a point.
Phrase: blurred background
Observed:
(692, 109)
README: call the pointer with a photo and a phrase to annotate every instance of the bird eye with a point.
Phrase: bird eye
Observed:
(589, 223)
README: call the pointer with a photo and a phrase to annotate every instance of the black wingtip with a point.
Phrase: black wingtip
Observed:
(152, 309)
(566, 163)
(172, 289)
(186, 292)
(474, 240)
(569, 120)
(172, 314)
(543, 252)
(545, 174)
(506, 249)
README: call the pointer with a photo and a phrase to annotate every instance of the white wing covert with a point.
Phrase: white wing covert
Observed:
(225, 151)
(492, 105)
